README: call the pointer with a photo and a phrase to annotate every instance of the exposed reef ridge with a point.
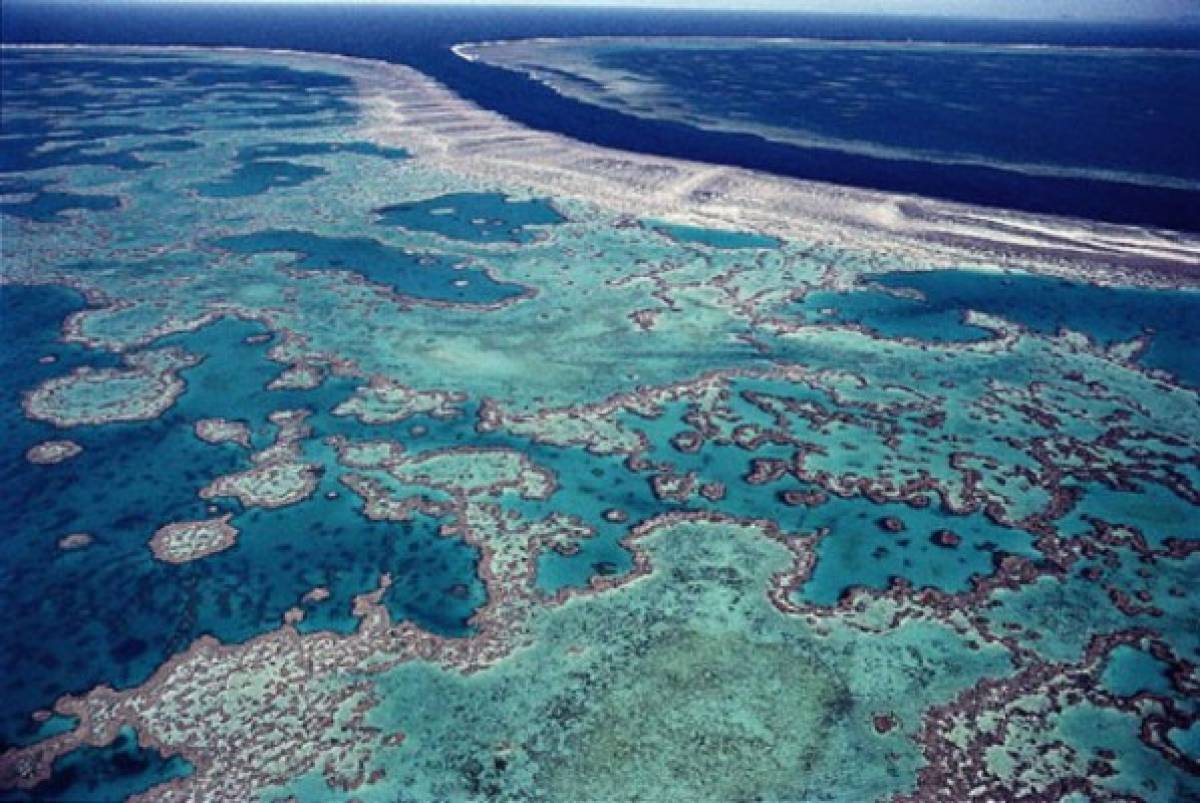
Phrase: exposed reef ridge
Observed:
(184, 541)
(142, 390)
(51, 452)
(219, 430)
(279, 477)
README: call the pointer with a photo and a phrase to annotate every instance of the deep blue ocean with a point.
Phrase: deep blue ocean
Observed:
(422, 37)
(1113, 114)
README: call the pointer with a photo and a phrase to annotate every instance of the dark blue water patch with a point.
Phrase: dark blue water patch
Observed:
(186, 81)
(1043, 304)
(325, 542)
(94, 615)
(170, 146)
(262, 167)
(714, 238)
(30, 328)
(46, 206)
(22, 154)
(432, 277)
(114, 772)
(481, 217)
(283, 150)
(20, 185)
(1120, 111)
(258, 176)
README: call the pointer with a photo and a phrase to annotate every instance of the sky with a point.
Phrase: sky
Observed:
(1164, 10)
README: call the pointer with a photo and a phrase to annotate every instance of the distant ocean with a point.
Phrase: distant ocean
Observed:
(1109, 136)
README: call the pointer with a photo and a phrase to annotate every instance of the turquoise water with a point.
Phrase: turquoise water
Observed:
(277, 150)
(481, 217)
(1131, 671)
(715, 238)
(52, 726)
(1159, 514)
(860, 552)
(1188, 740)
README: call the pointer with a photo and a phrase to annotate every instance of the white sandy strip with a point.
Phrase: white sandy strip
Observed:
(406, 108)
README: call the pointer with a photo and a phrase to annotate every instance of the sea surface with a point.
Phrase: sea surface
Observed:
(1121, 115)
(703, 509)
(1105, 135)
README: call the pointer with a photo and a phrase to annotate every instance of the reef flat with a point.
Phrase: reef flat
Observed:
(367, 445)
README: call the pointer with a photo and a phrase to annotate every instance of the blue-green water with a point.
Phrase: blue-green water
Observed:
(716, 238)
(282, 150)
(1131, 671)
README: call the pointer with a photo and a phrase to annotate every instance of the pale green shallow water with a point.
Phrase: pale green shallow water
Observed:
(801, 631)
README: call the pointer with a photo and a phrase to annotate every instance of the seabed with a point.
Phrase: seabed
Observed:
(361, 444)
